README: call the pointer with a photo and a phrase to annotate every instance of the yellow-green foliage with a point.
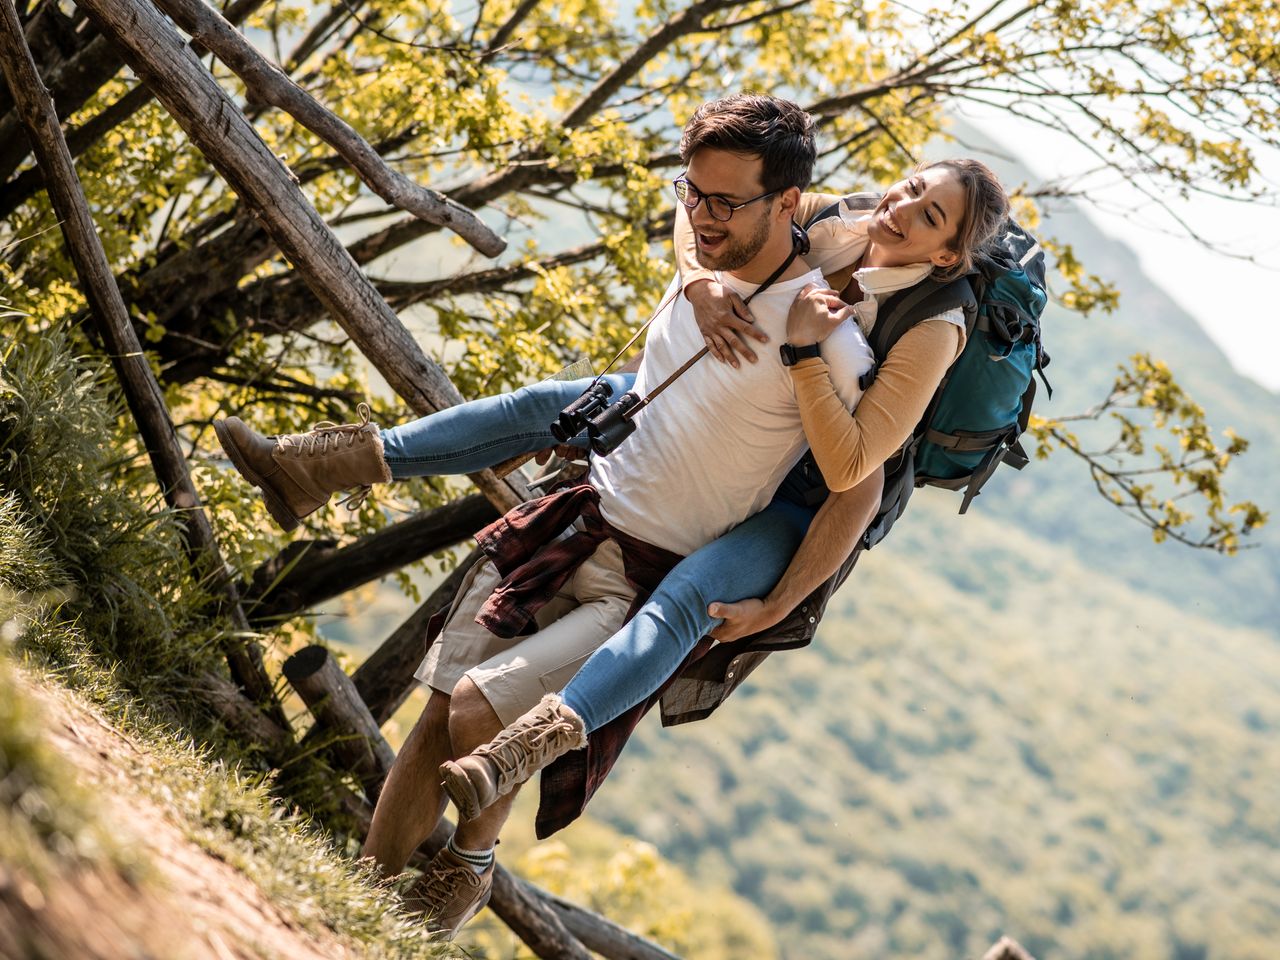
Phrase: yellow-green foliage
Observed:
(565, 134)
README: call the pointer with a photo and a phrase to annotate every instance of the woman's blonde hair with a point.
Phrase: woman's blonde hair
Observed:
(986, 207)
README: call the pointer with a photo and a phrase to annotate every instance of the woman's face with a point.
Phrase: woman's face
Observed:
(916, 221)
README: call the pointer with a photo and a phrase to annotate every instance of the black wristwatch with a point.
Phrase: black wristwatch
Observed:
(792, 355)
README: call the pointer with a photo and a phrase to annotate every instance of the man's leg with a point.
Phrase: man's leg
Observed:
(473, 722)
(457, 882)
(411, 801)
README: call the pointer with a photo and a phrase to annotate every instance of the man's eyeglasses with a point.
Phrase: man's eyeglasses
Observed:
(720, 207)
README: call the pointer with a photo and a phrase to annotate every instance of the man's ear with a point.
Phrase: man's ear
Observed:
(789, 202)
(944, 258)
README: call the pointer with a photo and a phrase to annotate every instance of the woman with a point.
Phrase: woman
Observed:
(927, 226)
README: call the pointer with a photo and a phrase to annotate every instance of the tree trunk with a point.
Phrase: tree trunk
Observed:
(268, 83)
(202, 108)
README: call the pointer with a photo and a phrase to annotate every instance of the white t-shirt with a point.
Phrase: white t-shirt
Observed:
(711, 450)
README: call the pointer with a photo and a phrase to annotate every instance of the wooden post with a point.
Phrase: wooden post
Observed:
(1007, 949)
(332, 698)
(141, 391)
(157, 54)
(293, 582)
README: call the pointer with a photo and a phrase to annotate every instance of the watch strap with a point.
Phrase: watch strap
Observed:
(793, 355)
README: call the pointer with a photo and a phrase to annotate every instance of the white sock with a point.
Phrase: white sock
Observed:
(477, 860)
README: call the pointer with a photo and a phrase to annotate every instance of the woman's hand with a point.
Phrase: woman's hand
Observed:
(742, 619)
(814, 313)
(724, 321)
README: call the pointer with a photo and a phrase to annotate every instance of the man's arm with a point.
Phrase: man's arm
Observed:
(841, 520)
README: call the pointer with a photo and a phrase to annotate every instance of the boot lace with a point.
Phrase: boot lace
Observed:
(327, 435)
(441, 884)
(530, 750)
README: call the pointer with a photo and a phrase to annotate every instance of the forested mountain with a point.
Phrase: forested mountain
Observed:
(989, 736)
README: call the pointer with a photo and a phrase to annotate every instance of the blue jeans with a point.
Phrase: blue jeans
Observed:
(746, 562)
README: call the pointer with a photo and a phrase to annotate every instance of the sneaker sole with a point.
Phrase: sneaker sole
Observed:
(279, 511)
(458, 786)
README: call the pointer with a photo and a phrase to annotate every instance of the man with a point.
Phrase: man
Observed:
(707, 454)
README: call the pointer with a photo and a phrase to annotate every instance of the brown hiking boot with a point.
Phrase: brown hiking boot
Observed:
(494, 769)
(450, 892)
(298, 472)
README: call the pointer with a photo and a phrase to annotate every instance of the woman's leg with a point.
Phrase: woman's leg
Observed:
(482, 433)
(746, 562)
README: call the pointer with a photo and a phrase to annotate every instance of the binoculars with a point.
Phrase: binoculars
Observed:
(606, 426)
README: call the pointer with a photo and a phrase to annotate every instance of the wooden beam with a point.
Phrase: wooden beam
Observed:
(340, 713)
(289, 584)
(157, 54)
(141, 391)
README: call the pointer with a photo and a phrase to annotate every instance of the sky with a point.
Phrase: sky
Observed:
(1236, 302)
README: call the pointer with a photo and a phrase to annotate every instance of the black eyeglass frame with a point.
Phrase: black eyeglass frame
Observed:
(690, 185)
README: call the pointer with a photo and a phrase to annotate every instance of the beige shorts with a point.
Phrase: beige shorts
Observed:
(514, 674)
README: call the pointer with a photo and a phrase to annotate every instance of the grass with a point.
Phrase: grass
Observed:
(96, 596)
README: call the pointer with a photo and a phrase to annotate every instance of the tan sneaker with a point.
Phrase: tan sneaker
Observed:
(450, 892)
(494, 769)
(298, 472)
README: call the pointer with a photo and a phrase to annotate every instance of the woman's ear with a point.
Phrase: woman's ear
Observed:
(945, 258)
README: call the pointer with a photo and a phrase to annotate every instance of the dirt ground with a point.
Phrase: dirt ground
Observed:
(195, 907)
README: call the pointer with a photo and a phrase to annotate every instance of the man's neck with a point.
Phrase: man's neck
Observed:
(770, 257)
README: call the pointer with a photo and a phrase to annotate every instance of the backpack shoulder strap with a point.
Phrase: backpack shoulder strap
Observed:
(906, 308)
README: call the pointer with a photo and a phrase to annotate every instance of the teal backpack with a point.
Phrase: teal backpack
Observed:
(981, 408)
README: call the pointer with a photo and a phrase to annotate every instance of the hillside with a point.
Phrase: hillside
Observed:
(107, 830)
(1054, 500)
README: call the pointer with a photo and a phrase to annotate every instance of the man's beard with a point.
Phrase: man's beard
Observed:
(736, 253)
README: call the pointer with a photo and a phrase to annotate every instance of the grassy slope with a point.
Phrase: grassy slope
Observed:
(112, 825)
(1012, 745)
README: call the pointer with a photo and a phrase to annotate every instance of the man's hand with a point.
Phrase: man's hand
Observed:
(564, 451)
(742, 619)
(814, 314)
(724, 321)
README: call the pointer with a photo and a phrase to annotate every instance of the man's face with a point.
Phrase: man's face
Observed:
(917, 219)
(733, 243)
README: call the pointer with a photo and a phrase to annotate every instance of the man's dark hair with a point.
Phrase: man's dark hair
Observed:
(776, 131)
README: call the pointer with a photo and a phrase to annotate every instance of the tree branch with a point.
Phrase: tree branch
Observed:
(228, 141)
(268, 82)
